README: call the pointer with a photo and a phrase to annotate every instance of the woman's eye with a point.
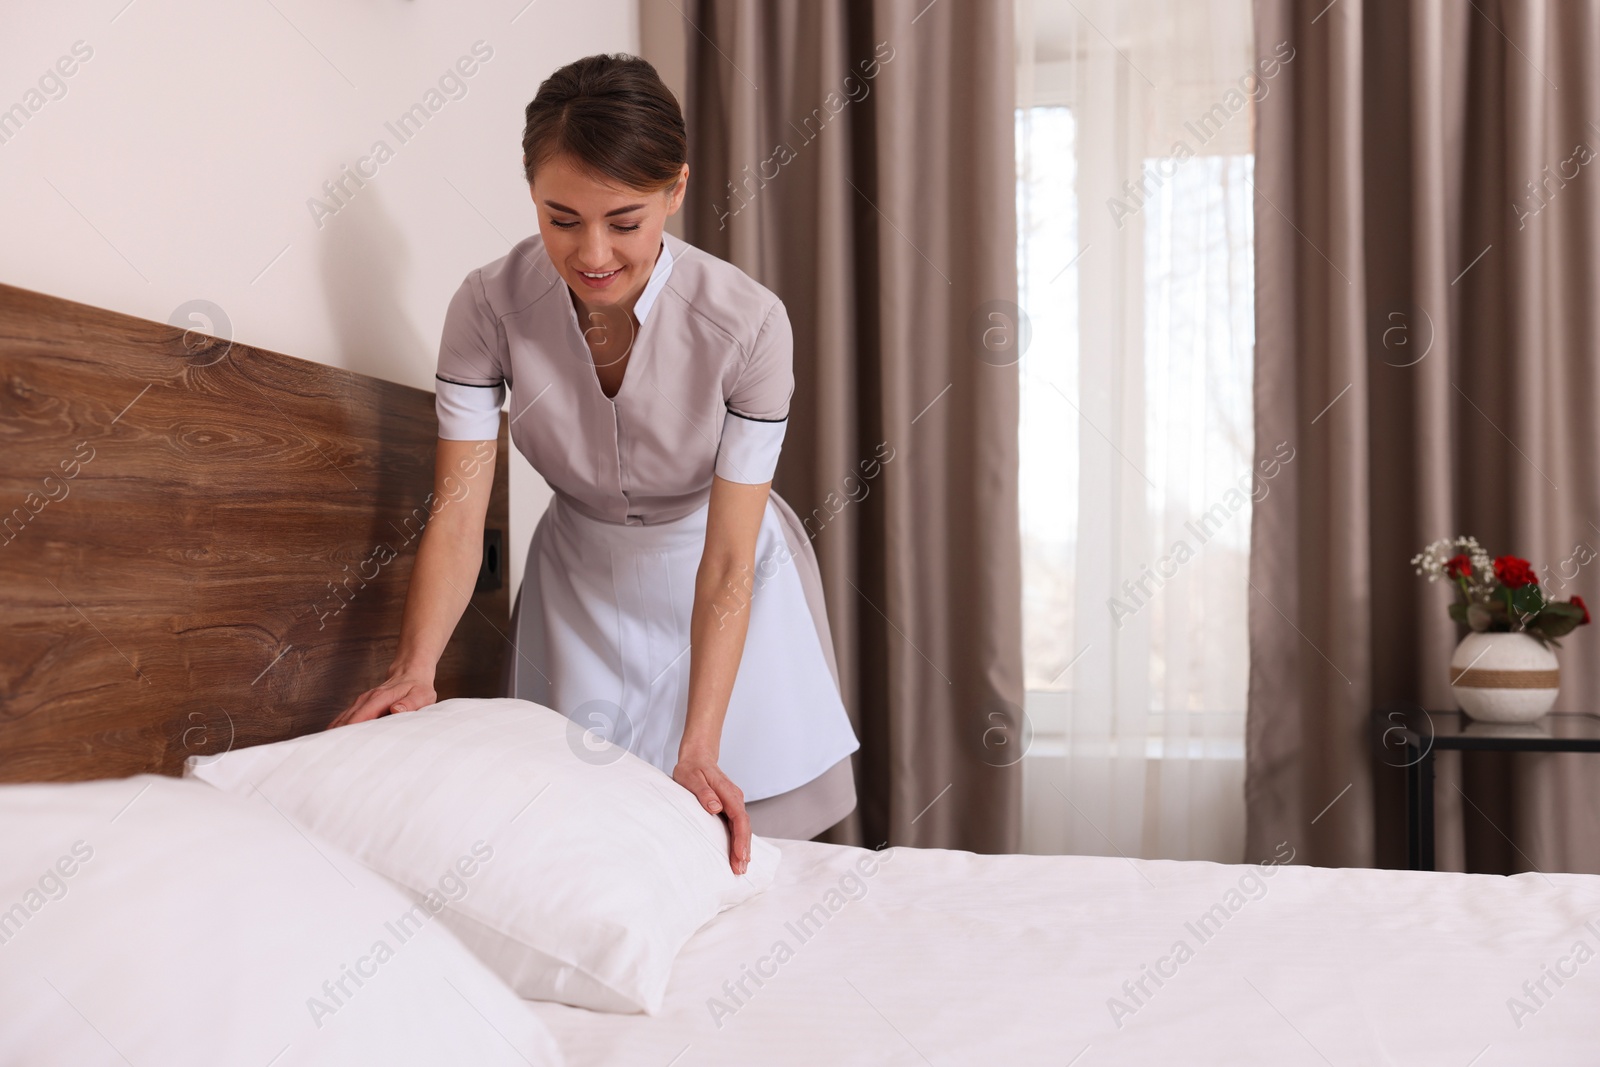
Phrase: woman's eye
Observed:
(558, 224)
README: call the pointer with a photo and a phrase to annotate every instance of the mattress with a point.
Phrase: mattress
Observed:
(930, 956)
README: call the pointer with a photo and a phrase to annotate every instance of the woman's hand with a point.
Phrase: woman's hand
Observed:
(401, 692)
(700, 775)
(447, 564)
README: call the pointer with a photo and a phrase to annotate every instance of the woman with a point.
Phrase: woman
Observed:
(670, 599)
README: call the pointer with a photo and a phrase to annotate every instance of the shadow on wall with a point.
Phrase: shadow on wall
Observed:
(364, 255)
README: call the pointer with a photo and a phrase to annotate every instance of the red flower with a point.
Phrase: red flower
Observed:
(1514, 573)
(1577, 602)
(1458, 567)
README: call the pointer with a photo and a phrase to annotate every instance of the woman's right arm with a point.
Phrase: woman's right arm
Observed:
(448, 559)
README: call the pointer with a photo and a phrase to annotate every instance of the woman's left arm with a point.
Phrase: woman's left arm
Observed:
(721, 618)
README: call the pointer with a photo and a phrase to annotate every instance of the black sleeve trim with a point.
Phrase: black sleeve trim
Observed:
(474, 385)
(752, 418)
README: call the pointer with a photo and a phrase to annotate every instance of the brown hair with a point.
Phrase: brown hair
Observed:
(613, 115)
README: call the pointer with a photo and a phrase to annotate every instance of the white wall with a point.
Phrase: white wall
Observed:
(176, 163)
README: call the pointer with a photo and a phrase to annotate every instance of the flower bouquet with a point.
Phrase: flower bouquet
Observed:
(1498, 596)
(1504, 670)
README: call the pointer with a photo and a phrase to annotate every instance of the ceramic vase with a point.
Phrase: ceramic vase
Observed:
(1504, 677)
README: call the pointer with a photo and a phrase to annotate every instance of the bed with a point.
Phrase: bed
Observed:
(955, 958)
(165, 602)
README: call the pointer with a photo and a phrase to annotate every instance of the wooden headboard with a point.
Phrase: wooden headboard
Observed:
(204, 545)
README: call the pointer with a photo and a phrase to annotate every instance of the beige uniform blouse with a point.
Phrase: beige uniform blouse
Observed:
(706, 388)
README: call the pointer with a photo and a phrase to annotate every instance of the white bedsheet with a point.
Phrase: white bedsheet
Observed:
(945, 957)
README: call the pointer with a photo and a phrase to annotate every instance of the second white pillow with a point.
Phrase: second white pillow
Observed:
(603, 867)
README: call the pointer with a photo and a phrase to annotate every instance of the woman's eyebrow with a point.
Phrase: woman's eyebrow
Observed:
(613, 211)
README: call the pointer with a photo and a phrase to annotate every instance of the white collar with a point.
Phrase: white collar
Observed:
(657, 282)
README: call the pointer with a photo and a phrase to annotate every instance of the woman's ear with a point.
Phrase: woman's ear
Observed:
(676, 194)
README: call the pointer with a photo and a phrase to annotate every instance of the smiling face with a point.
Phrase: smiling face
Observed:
(602, 238)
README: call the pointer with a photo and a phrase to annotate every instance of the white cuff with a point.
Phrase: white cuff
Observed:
(748, 451)
(468, 412)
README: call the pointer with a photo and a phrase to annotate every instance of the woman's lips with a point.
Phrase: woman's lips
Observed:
(600, 283)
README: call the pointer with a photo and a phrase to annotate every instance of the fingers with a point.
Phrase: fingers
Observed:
(740, 823)
(729, 798)
(717, 794)
(367, 706)
(357, 712)
(697, 780)
(414, 697)
(400, 697)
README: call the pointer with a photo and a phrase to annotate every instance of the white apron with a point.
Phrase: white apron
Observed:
(601, 631)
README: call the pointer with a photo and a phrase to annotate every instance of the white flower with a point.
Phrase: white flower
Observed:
(1431, 563)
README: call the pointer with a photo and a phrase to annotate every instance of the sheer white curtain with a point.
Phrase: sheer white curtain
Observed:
(1134, 203)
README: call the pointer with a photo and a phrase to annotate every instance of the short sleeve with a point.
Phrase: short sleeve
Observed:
(758, 406)
(470, 380)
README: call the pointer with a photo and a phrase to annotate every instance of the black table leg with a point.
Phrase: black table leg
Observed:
(1425, 809)
(1413, 802)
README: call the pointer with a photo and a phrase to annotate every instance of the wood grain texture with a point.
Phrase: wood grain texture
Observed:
(203, 545)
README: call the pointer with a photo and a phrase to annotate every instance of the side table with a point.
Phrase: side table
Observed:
(1410, 736)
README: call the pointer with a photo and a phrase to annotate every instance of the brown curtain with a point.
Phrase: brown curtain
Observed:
(1428, 225)
(857, 159)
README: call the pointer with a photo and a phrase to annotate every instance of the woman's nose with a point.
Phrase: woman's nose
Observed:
(595, 250)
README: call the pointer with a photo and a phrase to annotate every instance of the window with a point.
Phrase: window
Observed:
(1136, 272)
(1047, 224)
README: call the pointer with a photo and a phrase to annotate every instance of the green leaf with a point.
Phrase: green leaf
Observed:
(1527, 600)
(1458, 611)
(1558, 623)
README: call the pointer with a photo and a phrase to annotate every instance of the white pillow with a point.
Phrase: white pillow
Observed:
(150, 920)
(603, 866)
